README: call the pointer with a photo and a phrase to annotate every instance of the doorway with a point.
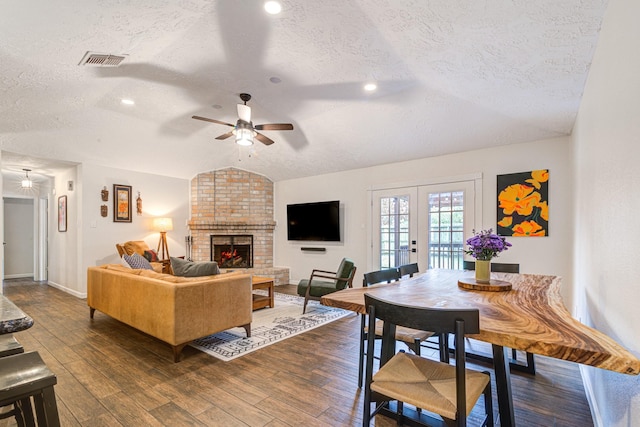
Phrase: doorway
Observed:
(18, 238)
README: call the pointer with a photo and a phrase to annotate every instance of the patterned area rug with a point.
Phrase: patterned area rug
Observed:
(269, 326)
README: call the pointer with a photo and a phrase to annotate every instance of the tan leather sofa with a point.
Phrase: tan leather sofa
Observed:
(176, 310)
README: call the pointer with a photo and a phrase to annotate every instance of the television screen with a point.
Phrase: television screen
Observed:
(314, 221)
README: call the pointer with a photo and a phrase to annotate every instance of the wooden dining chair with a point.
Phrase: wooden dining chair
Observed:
(410, 337)
(408, 269)
(438, 387)
(530, 366)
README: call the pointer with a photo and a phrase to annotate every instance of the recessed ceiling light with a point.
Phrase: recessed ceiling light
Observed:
(128, 101)
(217, 106)
(275, 80)
(273, 7)
(370, 87)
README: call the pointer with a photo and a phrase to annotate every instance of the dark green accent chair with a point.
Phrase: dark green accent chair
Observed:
(322, 282)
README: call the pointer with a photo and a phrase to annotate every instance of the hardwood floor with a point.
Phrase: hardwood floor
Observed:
(112, 375)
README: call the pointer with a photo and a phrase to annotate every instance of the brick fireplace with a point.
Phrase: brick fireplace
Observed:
(233, 202)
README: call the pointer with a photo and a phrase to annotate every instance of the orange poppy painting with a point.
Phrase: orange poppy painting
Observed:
(523, 204)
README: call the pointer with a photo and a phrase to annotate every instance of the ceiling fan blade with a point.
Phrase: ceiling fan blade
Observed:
(212, 121)
(244, 112)
(275, 126)
(266, 141)
(224, 135)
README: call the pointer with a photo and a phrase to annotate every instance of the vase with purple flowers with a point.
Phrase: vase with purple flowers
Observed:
(484, 246)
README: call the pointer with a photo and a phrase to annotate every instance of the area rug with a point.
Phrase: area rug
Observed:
(269, 326)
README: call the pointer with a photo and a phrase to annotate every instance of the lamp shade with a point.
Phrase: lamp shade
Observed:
(163, 224)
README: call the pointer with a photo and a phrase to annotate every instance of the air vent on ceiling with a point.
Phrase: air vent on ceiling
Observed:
(101, 59)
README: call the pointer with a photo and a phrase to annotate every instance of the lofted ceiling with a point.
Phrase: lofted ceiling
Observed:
(452, 76)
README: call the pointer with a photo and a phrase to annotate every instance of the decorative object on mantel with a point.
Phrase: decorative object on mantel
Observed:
(104, 211)
(163, 225)
(121, 203)
(139, 204)
(104, 194)
(484, 246)
(62, 213)
(523, 209)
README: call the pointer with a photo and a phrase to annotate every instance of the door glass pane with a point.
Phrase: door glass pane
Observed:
(446, 229)
(394, 231)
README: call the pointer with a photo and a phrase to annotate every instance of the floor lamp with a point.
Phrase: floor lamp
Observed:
(163, 225)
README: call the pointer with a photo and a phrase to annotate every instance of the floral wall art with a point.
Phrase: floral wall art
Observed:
(523, 204)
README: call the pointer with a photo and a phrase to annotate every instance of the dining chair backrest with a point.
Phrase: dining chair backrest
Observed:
(381, 276)
(408, 269)
(496, 267)
(439, 320)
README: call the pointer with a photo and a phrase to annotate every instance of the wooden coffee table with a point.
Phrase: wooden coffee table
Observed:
(262, 301)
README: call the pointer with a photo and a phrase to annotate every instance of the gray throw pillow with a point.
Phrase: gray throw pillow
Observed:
(137, 261)
(186, 268)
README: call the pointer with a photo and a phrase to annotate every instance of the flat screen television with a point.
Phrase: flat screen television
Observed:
(318, 221)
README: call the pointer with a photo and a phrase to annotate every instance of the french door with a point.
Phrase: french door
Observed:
(425, 224)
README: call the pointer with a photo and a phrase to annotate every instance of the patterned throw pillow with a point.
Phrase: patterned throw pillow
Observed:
(137, 261)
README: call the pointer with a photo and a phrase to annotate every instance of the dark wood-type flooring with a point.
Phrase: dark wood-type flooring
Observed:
(109, 374)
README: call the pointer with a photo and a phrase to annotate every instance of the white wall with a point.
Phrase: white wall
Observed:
(63, 246)
(546, 255)
(607, 152)
(90, 238)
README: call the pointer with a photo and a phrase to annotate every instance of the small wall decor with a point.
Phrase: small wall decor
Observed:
(104, 211)
(62, 213)
(104, 194)
(523, 208)
(121, 203)
(139, 204)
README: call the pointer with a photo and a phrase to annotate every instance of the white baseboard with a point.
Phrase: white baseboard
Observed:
(67, 290)
(18, 276)
(588, 389)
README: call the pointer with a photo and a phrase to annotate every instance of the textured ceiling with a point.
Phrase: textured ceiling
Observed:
(452, 76)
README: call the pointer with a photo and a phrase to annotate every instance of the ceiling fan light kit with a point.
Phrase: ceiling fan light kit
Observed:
(244, 130)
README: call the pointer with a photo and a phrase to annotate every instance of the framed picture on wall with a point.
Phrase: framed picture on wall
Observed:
(523, 204)
(62, 213)
(121, 203)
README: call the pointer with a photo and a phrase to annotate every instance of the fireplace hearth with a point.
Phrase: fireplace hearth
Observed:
(232, 251)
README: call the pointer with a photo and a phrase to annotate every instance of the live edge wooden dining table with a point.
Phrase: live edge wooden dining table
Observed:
(529, 317)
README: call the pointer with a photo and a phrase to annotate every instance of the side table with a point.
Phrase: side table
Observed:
(262, 301)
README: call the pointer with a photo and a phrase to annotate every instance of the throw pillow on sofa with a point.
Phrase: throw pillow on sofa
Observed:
(186, 268)
(151, 255)
(137, 261)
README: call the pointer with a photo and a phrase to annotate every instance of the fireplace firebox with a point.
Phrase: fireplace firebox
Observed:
(232, 251)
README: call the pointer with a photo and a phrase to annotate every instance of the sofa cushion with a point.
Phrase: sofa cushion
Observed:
(186, 268)
(135, 247)
(120, 267)
(161, 276)
(137, 261)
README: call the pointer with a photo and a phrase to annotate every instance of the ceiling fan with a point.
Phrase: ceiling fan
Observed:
(244, 130)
